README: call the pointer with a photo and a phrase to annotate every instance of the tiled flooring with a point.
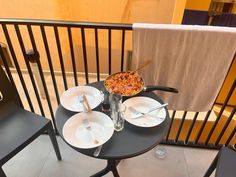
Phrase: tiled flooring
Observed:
(39, 160)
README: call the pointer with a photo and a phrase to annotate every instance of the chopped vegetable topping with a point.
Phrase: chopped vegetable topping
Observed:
(124, 83)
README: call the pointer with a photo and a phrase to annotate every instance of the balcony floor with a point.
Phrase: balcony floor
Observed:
(39, 160)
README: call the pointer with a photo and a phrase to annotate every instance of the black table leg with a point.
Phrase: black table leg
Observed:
(111, 166)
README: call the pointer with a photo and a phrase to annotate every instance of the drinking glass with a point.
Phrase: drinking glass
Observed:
(117, 111)
(160, 152)
(119, 120)
(105, 100)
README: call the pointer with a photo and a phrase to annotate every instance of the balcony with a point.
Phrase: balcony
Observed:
(48, 57)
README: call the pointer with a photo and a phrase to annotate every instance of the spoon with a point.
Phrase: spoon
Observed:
(142, 66)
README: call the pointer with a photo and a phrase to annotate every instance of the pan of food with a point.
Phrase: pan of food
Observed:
(130, 83)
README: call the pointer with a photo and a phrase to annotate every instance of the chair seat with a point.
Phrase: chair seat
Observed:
(18, 127)
(226, 163)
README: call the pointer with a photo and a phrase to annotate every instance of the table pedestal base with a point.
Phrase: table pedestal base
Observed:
(111, 166)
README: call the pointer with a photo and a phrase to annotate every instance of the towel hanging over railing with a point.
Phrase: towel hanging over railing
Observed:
(193, 59)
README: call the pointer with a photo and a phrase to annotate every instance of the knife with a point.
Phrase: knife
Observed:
(87, 104)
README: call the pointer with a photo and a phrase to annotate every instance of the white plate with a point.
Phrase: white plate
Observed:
(144, 104)
(76, 134)
(69, 99)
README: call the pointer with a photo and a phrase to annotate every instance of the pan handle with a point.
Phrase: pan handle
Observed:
(162, 88)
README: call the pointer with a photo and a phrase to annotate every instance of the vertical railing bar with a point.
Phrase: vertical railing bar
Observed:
(84, 54)
(109, 51)
(18, 33)
(29, 28)
(122, 50)
(97, 54)
(172, 120)
(221, 111)
(41, 74)
(10, 75)
(50, 62)
(225, 125)
(231, 136)
(203, 126)
(191, 127)
(181, 125)
(17, 66)
(60, 57)
(72, 55)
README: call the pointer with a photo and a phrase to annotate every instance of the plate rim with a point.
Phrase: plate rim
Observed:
(75, 116)
(142, 126)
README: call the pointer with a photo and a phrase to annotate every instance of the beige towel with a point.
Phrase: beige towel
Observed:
(193, 59)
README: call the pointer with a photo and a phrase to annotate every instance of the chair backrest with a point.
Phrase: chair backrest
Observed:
(7, 92)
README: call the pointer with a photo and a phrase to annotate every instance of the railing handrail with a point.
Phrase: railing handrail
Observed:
(62, 23)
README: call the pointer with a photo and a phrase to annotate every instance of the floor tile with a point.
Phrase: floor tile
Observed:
(73, 163)
(30, 161)
(173, 165)
(198, 160)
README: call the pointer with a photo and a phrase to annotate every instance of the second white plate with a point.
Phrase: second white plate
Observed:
(144, 104)
(69, 99)
(76, 134)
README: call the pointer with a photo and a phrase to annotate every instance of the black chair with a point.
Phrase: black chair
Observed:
(18, 127)
(224, 163)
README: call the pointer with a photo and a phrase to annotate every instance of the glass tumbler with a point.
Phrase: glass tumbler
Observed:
(160, 152)
(105, 100)
(117, 111)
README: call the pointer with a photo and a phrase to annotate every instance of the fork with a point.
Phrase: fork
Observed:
(97, 151)
(135, 111)
(87, 108)
(89, 128)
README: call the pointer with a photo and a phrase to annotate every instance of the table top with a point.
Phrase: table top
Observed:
(130, 142)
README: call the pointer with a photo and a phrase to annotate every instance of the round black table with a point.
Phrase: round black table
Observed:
(131, 141)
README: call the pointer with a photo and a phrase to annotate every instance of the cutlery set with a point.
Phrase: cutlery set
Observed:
(143, 114)
(87, 109)
(83, 100)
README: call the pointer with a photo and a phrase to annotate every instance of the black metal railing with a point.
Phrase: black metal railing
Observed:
(56, 55)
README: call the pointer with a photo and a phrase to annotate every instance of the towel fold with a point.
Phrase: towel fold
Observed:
(193, 59)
